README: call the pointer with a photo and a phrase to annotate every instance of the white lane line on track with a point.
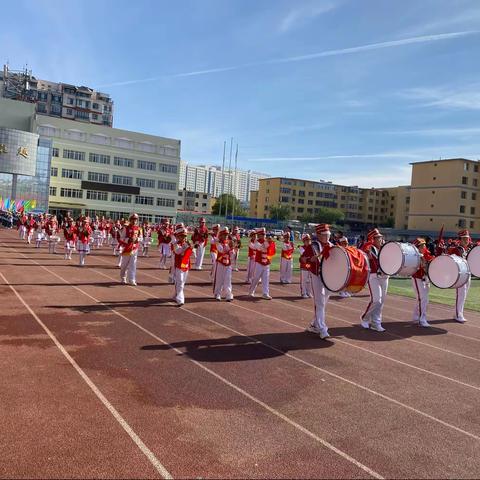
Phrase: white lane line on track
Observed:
(254, 399)
(123, 423)
(311, 365)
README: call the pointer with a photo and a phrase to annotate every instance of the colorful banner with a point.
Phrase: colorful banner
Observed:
(9, 204)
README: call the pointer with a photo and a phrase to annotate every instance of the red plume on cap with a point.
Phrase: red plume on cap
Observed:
(419, 241)
(373, 234)
(322, 228)
(464, 233)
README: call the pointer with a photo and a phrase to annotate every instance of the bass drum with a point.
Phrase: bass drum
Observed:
(473, 260)
(399, 259)
(345, 269)
(448, 271)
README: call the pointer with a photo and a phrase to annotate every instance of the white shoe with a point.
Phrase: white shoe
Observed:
(218, 297)
(133, 284)
(180, 303)
(377, 328)
(313, 329)
(310, 295)
(365, 324)
(324, 335)
(251, 295)
(424, 323)
(305, 296)
(124, 281)
(230, 299)
(266, 297)
(461, 320)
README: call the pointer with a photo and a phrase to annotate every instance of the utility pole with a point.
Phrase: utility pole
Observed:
(223, 168)
(229, 172)
(235, 180)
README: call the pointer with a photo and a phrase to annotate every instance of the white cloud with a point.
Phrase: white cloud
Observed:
(438, 132)
(301, 58)
(463, 98)
(300, 15)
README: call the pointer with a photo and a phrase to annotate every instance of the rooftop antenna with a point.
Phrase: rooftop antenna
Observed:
(223, 168)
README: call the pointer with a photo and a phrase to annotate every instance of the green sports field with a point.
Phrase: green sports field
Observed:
(397, 286)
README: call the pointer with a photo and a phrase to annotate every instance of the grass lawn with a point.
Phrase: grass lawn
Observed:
(397, 286)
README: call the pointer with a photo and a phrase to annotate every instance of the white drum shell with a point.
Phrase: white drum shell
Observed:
(448, 271)
(336, 269)
(473, 260)
(399, 259)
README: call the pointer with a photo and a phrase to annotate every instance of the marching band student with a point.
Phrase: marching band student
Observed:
(182, 251)
(213, 249)
(343, 242)
(305, 283)
(377, 283)
(30, 225)
(130, 240)
(421, 285)
(264, 251)
(39, 231)
(251, 256)
(147, 238)
(222, 284)
(114, 233)
(462, 250)
(312, 255)
(286, 259)
(199, 240)
(83, 239)
(171, 270)
(22, 226)
(70, 235)
(164, 233)
(237, 244)
(51, 229)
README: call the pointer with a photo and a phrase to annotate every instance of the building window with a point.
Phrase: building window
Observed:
(474, 196)
(462, 208)
(99, 158)
(52, 191)
(53, 171)
(41, 108)
(142, 200)
(145, 165)
(475, 168)
(165, 168)
(121, 198)
(55, 152)
(466, 166)
(472, 224)
(166, 202)
(464, 181)
(145, 182)
(462, 222)
(68, 173)
(475, 182)
(98, 177)
(163, 185)
(71, 193)
(122, 180)
(472, 210)
(74, 155)
(95, 106)
(123, 162)
(96, 195)
(463, 194)
(94, 116)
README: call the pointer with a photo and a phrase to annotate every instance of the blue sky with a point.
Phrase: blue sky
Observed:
(345, 90)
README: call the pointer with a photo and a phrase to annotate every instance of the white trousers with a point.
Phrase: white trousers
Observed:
(378, 287)
(223, 281)
(305, 283)
(128, 267)
(22, 231)
(421, 289)
(200, 250)
(461, 296)
(250, 269)
(286, 270)
(320, 298)
(213, 258)
(165, 254)
(235, 260)
(261, 272)
(180, 279)
(69, 246)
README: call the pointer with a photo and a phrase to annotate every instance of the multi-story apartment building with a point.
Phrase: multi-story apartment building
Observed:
(445, 193)
(107, 171)
(197, 202)
(61, 100)
(210, 179)
(399, 206)
(306, 197)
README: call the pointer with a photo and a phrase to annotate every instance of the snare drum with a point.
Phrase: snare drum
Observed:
(473, 260)
(400, 259)
(448, 271)
(345, 269)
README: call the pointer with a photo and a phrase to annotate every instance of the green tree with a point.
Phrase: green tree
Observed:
(329, 215)
(230, 204)
(390, 223)
(279, 212)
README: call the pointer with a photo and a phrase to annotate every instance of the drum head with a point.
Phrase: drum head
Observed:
(391, 258)
(336, 269)
(443, 271)
(473, 260)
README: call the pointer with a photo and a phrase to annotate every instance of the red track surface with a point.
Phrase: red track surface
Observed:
(136, 387)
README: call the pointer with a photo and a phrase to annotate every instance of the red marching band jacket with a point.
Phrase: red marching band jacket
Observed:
(70, 233)
(130, 240)
(422, 271)
(459, 250)
(287, 250)
(372, 254)
(224, 251)
(200, 235)
(84, 233)
(264, 254)
(164, 234)
(182, 252)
